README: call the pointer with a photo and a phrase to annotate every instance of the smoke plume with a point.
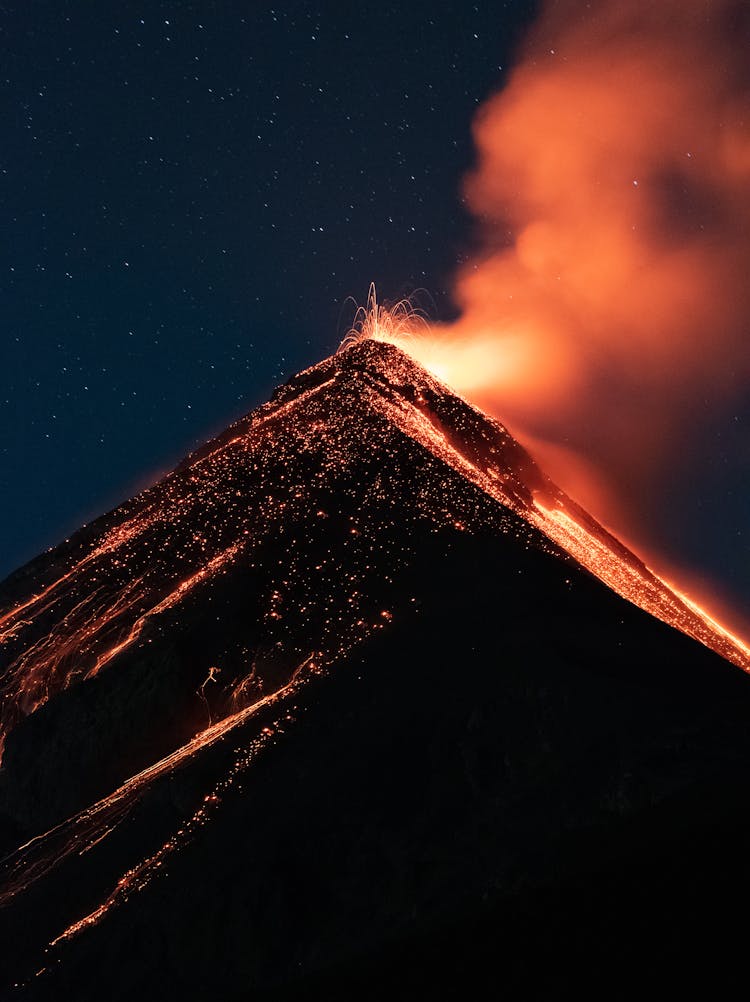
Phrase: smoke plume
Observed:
(608, 300)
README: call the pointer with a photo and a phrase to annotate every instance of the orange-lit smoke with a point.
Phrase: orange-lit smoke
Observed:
(609, 300)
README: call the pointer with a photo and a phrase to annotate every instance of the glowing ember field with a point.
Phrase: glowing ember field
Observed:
(266, 558)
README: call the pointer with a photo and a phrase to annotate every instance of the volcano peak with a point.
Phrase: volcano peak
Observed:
(365, 525)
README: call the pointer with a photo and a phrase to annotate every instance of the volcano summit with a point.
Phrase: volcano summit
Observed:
(357, 702)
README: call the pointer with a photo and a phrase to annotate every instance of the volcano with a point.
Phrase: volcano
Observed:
(357, 703)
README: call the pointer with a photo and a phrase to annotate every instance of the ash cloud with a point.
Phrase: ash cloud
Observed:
(606, 305)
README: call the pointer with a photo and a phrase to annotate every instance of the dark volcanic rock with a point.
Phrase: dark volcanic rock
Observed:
(493, 776)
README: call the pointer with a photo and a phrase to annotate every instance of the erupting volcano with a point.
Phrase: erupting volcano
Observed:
(355, 680)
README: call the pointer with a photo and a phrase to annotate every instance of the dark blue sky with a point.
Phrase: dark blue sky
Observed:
(190, 191)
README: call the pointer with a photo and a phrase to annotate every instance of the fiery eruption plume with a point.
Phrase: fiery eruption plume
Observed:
(605, 310)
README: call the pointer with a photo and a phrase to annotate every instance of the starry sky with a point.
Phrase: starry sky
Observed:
(191, 191)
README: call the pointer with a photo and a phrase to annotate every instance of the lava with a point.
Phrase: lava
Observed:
(83, 832)
(87, 628)
(634, 581)
(212, 567)
(563, 521)
(11, 620)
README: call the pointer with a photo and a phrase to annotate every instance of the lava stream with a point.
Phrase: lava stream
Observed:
(82, 832)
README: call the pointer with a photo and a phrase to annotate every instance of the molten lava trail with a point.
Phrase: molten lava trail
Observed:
(12, 622)
(629, 577)
(84, 831)
(576, 533)
(59, 659)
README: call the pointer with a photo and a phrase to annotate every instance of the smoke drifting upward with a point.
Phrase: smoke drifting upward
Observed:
(608, 300)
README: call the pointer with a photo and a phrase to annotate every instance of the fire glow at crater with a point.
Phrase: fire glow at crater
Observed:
(565, 523)
(604, 308)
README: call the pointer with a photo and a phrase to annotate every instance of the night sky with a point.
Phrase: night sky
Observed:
(191, 191)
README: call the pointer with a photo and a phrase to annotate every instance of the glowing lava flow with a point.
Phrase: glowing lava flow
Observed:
(83, 832)
(58, 659)
(560, 519)
(637, 583)
(11, 621)
(215, 564)
(52, 662)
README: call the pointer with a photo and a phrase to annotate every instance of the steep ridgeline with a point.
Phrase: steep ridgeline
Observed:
(365, 564)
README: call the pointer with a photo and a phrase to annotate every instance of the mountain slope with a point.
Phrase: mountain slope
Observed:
(344, 675)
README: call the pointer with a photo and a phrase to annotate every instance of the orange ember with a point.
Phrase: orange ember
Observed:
(392, 323)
